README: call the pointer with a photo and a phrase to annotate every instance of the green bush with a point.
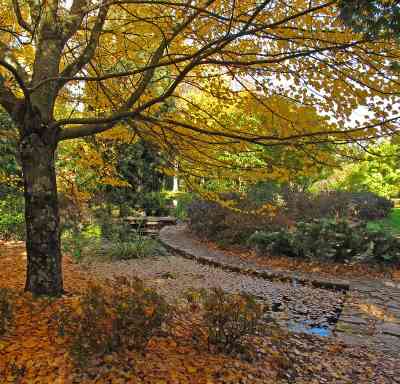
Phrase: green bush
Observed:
(337, 241)
(383, 247)
(102, 321)
(81, 244)
(155, 204)
(231, 318)
(264, 192)
(327, 239)
(113, 229)
(279, 242)
(110, 241)
(12, 219)
(183, 201)
(138, 247)
(6, 310)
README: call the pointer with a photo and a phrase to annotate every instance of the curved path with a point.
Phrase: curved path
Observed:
(370, 314)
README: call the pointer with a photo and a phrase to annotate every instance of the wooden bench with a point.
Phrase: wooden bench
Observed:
(149, 225)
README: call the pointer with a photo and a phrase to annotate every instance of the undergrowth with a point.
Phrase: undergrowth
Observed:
(230, 319)
(126, 315)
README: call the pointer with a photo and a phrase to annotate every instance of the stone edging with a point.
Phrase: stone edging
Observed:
(356, 324)
(172, 238)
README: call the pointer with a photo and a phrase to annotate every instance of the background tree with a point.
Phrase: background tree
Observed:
(111, 63)
(378, 172)
(374, 18)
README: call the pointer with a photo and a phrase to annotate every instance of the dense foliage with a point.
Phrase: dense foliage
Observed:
(336, 241)
(343, 204)
(234, 218)
(12, 219)
(378, 172)
(375, 18)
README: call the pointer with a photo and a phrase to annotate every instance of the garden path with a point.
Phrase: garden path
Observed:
(370, 314)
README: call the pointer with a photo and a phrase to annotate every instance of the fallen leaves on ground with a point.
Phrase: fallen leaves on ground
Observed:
(33, 351)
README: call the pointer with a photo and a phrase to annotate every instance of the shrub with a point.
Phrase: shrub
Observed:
(335, 204)
(101, 321)
(86, 324)
(137, 313)
(280, 242)
(6, 310)
(230, 318)
(328, 239)
(264, 192)
(12, 219)
(79, 245)
(218, 223)
(119, 242)
(183, 200)
(138, 247)
(336, 241)
(206, 218)
(155, 204)
(382, 247)
(370, 206)
(114, 230)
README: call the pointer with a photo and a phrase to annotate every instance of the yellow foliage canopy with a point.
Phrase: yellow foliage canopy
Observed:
(205, 80)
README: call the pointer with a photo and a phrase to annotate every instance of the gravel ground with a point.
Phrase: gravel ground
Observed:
(172, 275)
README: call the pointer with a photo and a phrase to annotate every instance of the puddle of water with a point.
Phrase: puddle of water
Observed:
(300, 327)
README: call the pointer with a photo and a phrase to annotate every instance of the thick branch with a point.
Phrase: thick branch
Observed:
(74, 19)
(17, 77)
(87, 54)
(17, 10)
(85, 130)
(6, 52)
(7, 99)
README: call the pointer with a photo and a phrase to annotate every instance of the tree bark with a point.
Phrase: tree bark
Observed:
(44, 272)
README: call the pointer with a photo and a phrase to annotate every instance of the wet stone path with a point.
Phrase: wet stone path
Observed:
(372, 315)
(358, 312)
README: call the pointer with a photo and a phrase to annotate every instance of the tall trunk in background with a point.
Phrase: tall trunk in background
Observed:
(44, 273)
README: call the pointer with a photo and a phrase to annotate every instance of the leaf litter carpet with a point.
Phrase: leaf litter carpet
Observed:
(32, 351)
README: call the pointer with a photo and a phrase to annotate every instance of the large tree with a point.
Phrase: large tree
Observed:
(119, 62)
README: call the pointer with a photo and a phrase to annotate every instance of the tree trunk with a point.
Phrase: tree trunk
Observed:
(44, 273)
